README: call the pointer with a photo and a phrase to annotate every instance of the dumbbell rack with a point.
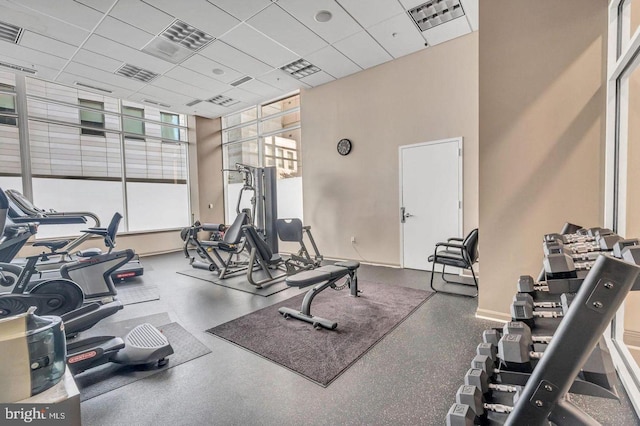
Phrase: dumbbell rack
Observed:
(544, 395)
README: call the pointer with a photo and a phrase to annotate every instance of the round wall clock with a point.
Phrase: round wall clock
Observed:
(344, 146)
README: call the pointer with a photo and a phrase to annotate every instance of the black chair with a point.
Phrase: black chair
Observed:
(459, 253)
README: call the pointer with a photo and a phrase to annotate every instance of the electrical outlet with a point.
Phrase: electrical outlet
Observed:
(210, 205)
(353, 240)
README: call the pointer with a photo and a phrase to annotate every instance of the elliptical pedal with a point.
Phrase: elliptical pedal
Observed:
(145, 344)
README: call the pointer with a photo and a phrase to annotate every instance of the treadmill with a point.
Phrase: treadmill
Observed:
(22, 211)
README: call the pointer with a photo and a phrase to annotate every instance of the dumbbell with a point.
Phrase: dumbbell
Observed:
(576, 253)
(512, 349)
(526, 284)
(493, 336)
(631, 254)
(524, 311)
(480, 379)
(620, 246)
(528, 298)
(460, 415)
(473, 397)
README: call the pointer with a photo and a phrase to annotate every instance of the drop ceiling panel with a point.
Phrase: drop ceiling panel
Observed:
(233, 58)
(188, 76)
(363, 50)
(470, 8)
(32, 57)
(41, 24)
(280, 26)
(111, 49)
(333, 62)
(281, 80)
(70, 79)
(207, 109)
(447, 31)
(103, 76)
(318, 78)
(243, 9)
(398, 35)
(260, 88)
(254, 43)
(142, 15)
(242, 95)
(42, 70)
(409, 4)
(371, 12)
(101, 5)
(96, 60)
(182, 88)
(163, 95)
(340, 26)
(48, 45)
(124, 33)
(199, 13)
(206, 66)
(65, 10)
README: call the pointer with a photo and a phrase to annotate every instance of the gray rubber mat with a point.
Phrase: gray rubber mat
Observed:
(111, 376)
(130, 293)
(238, 282)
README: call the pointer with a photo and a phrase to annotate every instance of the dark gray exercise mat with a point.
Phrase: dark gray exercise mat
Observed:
(239, 282)
(322, 355)
(130, 292)
(110, 376)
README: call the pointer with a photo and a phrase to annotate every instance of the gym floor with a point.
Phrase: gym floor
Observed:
(409, 378)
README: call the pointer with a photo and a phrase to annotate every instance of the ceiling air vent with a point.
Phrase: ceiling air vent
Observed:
(88, 86)
(241, 81)
(300, 68)
(222, 100)
(20, 68)
(435, 12)
(195, 102)
(10, 33)
(186, 35)
(136, 73)
(156, 103)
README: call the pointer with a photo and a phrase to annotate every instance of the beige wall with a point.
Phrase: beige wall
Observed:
(429, 95)
(542, 117)
(209, 160)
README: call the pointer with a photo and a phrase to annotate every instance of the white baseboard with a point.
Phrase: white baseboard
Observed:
(492, 315)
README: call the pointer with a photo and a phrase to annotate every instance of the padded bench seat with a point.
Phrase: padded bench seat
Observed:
(323, 273)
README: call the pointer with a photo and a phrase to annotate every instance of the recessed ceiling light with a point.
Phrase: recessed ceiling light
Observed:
(217, 71)
(323, 16)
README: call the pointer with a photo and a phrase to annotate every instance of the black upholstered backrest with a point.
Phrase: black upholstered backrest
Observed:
(233, 235)
(4, 207)
(112, 230)
(290, 229)
(470, 244)
(255, 241)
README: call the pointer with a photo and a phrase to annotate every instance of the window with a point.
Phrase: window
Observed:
(131, 125)
(7, 105)
(170, 133)
(91, 118)
(267, 135)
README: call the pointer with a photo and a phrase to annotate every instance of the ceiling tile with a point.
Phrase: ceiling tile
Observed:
(340, 26)
(44, 25)
(470, 8)
(198, 13)
(142, 15)
(333, 62)
(183, 88)
(410, 4)
(103, 76)
(243, 95)
(65, 10)
(207, 109)
(281, 80)
(193, 78)
(398, 35)
(233, 58)
(206, 66)
(447, 31)
(124, 33)
(96, 60)
(70, 79)
(161, 94)
(260, 88)
(123, 53)
(363, 50)
(101, 5)
(48, 45)
(317, 79)
(280, 26)
(256, 44)
(43, 71)
(371, 12)
(30, 56)
(242, 10)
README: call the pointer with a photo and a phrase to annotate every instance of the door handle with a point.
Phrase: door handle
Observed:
(404, 215)
(408, 215)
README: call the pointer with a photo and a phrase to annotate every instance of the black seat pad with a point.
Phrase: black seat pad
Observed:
(315, 276)
(52, 245)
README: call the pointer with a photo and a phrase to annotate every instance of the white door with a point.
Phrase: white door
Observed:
(430, 198)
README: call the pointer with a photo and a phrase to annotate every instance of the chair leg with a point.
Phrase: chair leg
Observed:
(433, 272)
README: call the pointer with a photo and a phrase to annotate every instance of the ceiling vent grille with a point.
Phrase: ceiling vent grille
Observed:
(300, 68)
(136, 73)
(222, 100)
(10, 33)
(195, 102)
(241, 81)
(20, 68)
(435, 12)
(88, 86)
(186, 35)
(156, 103)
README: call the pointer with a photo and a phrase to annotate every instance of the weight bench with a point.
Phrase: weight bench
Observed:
(323, 278)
